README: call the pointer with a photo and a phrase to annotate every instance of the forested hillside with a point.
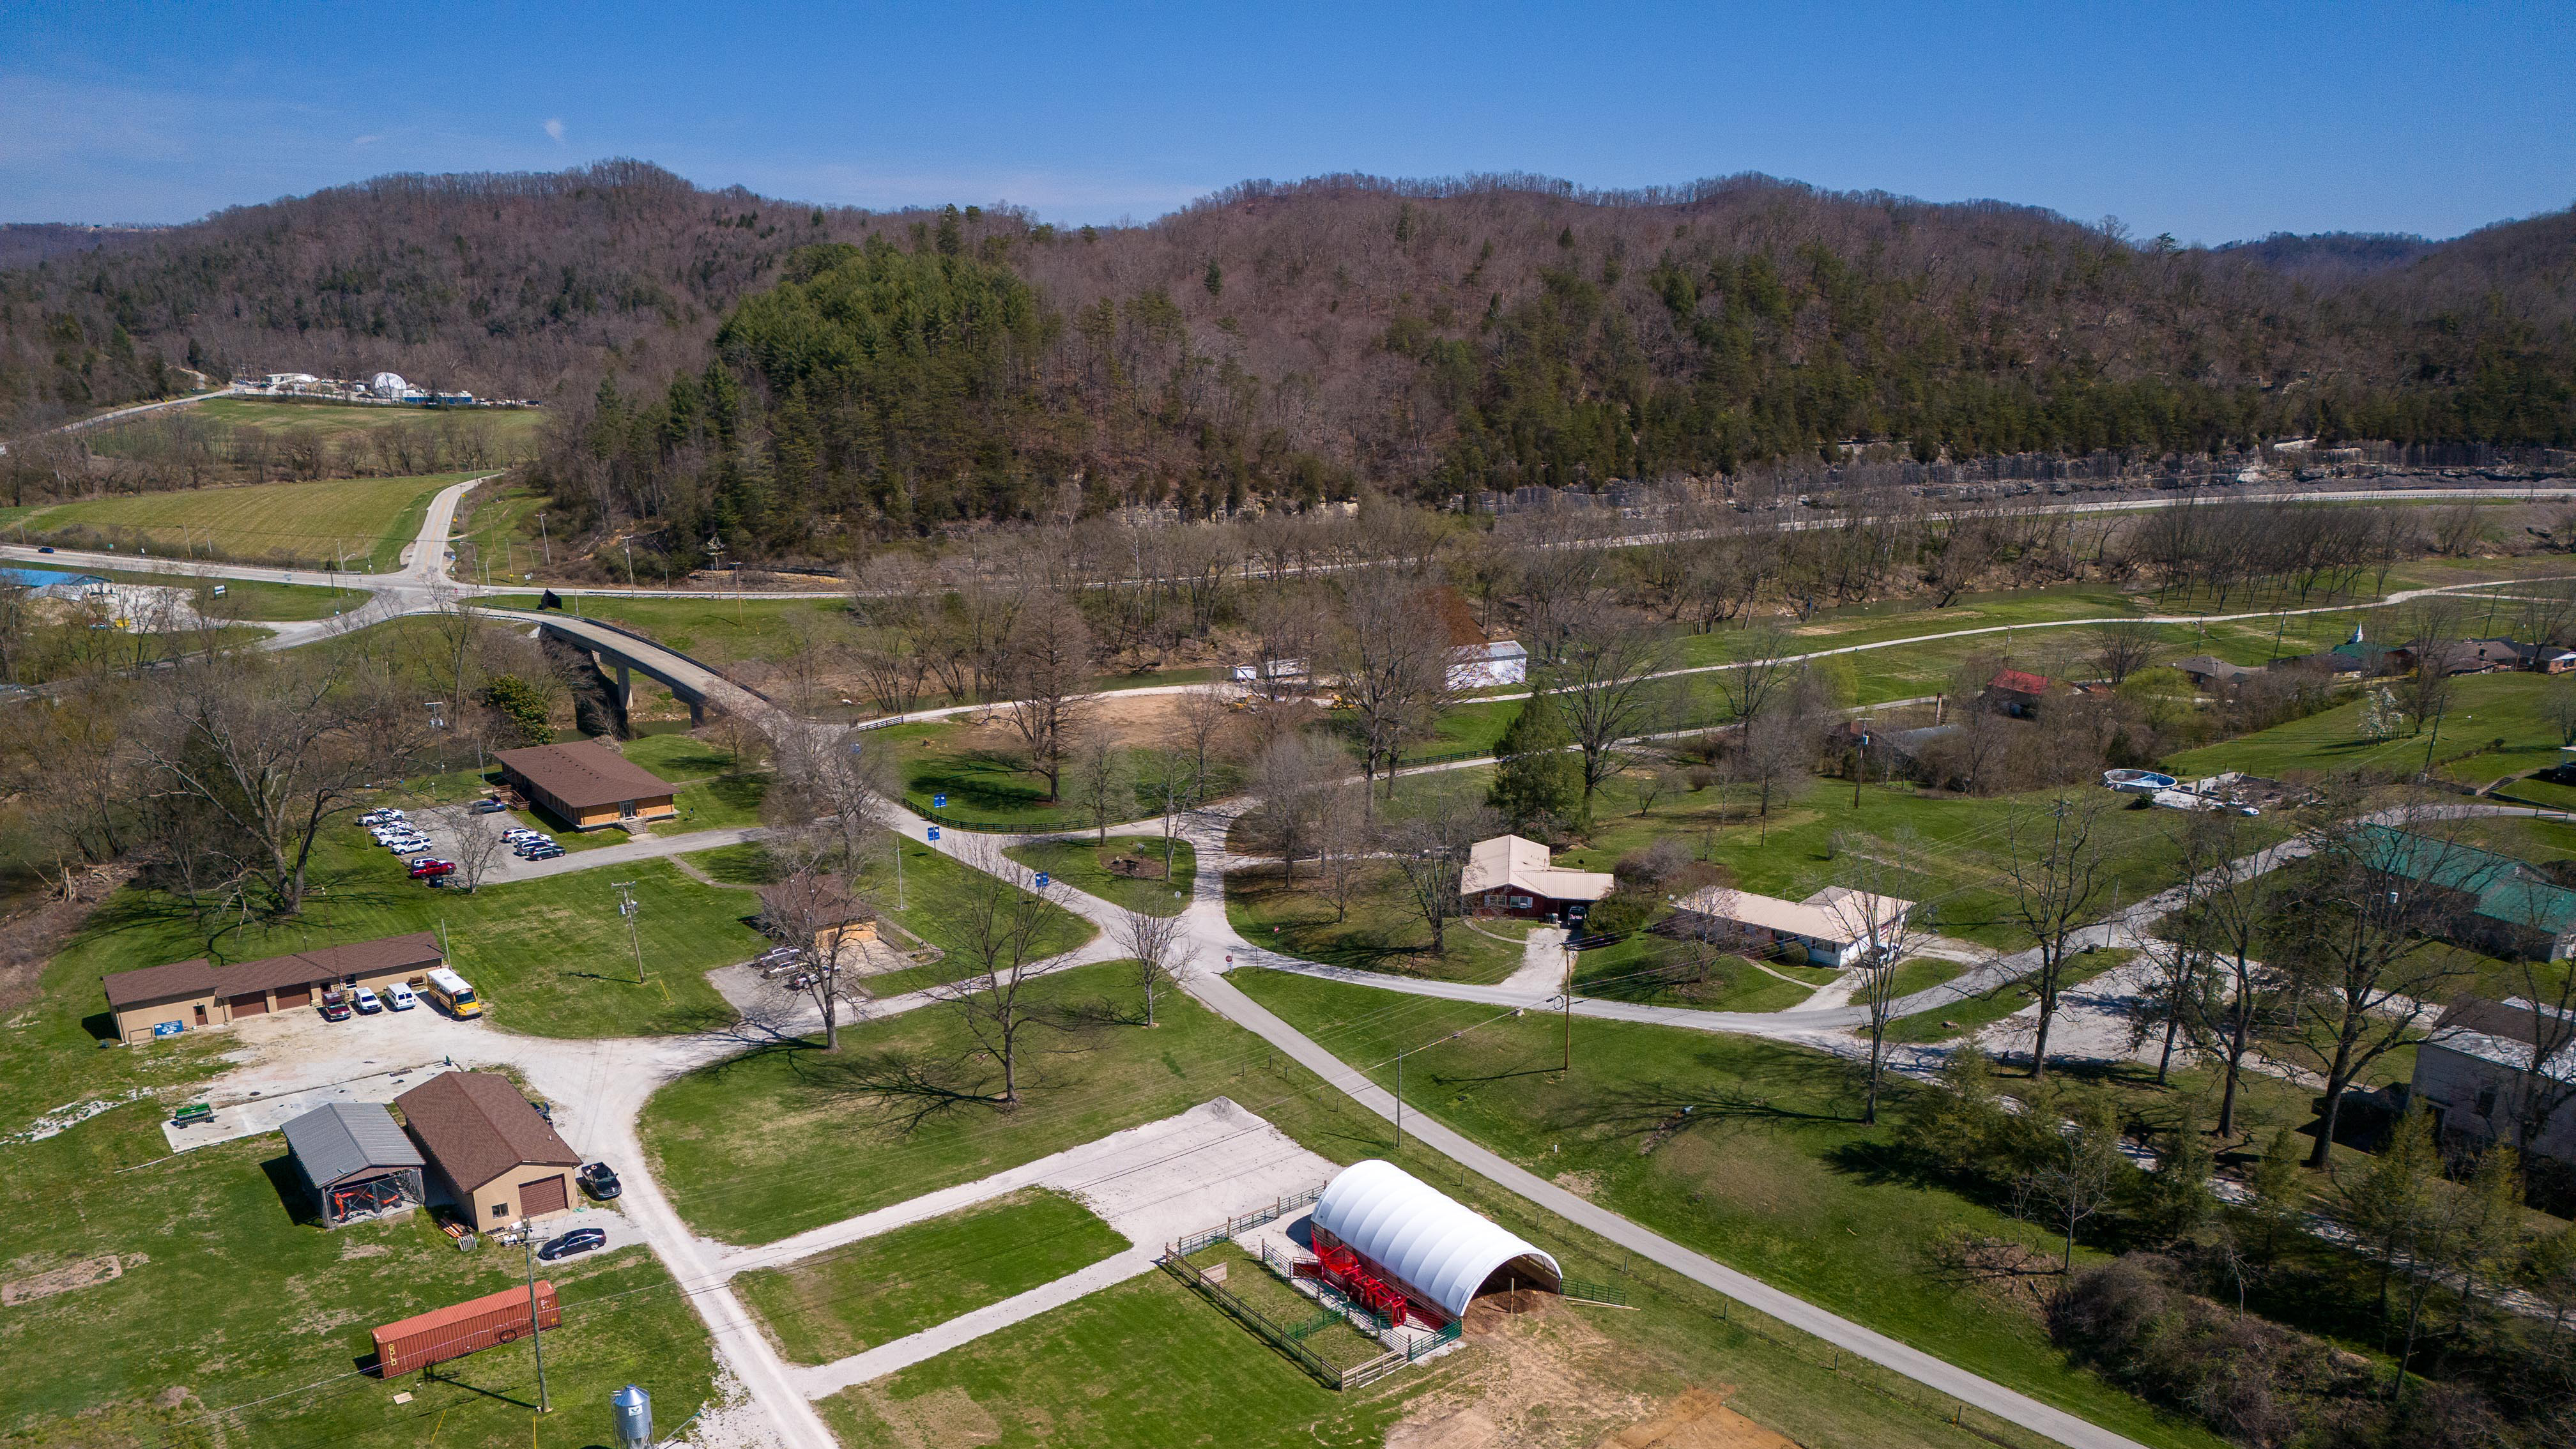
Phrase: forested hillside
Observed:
(774, 371)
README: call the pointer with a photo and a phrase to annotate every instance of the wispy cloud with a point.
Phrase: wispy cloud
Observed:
(554, 128)
(366, 140)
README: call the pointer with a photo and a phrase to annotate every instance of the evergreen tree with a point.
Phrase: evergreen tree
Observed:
(1535, 778)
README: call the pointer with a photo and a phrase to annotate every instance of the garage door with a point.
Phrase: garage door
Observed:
(294, 996)
(538, 1198)
(252, 1004)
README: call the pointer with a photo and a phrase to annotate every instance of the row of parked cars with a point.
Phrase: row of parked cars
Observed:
(338, 1001)
(529, 844)
(394, 831)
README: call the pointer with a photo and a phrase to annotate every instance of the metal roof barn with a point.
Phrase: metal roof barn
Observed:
(356, 1160)
(1432, 1245)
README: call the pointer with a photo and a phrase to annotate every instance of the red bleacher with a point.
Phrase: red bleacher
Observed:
(1343, 1269)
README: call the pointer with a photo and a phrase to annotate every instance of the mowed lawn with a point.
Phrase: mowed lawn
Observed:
(768, 1145)
(1084, 864)
(231, 1298)
(2512, 708)
(550, 957)
(849, 1299)
(364, 521)
(1773, 1174)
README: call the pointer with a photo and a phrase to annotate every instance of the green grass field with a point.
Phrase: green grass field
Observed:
(1773, 1175)
(2485, 708)
(514, 426)
(770, 1145)
(234, 1303)
(1084, 866)
(550, 957)
(365, 521)
(1652, 970)
(1382, 932)
(846, 1300)
(934, 892)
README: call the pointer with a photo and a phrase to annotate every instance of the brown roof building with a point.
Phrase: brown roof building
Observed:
(167, 1000)
(587, 784)
(496, 1157)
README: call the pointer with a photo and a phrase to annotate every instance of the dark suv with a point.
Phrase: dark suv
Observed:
(599, 1181)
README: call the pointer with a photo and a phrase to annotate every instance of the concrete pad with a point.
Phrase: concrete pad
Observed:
(1152, 1183)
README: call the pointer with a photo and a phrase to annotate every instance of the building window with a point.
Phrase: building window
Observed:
(500, 1210)
(1520, 903)
(2486, 1101)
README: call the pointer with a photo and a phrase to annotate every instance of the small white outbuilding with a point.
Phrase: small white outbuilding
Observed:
(1424, 1241)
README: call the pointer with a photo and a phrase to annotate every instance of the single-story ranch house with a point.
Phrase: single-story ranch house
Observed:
(499, 1161)
(1833, 927)
(587, 784)
(1509, 876)
(167, 1000)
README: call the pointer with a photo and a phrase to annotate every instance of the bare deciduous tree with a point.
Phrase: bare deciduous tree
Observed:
(1293, 775)
(1394, 656)
(1885, 925)
(1103, 787)
(2057, 881)
(1048, 668)
(997, 926)
(1160, 945)
(478, 849)
(810, 911)
(2362, 899)
(1430, 849)
(264, 753)
(1606, 689)
(2122, 648)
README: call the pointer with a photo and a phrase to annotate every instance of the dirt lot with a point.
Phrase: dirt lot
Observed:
(1543, 1381)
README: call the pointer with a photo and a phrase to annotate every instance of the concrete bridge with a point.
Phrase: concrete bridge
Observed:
(622, 654)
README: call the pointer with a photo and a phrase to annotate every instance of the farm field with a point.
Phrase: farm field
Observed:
(364, 521)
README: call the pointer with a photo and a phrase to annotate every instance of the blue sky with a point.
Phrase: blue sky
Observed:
(2211, 121)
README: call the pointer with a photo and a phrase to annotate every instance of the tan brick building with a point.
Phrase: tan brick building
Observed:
(587, 784)
(186, 995)
(496, 1157)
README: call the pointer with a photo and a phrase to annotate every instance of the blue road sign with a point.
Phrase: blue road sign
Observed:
(938, 802)
(1042, 880)
(934, 832)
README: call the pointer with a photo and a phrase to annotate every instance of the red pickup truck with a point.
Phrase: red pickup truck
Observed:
(335, 1004)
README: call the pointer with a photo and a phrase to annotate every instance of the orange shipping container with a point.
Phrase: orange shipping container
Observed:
(462, 1328)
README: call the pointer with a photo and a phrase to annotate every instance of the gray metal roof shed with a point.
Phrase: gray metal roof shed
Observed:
(344, 1140)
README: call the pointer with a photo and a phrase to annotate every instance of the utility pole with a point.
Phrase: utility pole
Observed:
(628, 543)
(547, 543)
(1567, 996)
(628, 907)
(536, 1320)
